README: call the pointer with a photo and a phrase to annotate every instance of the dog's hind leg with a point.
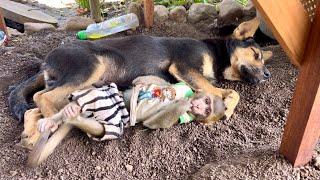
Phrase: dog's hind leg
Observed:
(50, 102)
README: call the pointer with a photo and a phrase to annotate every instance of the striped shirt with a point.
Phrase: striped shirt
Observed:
(105, 105)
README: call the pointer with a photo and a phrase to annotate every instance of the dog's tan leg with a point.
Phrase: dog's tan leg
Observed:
(52, 101)
(194, 79)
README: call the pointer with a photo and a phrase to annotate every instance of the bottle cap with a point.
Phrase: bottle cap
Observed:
(82, 35)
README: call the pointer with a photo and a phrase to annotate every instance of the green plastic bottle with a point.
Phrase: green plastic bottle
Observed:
(184, 91)
(108, 27)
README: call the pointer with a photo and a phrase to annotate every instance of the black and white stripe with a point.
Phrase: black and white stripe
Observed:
(105, 105)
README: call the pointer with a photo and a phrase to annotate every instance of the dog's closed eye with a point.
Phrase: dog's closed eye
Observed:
(257, 56)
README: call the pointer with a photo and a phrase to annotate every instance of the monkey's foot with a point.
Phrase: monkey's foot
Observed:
(231, 101)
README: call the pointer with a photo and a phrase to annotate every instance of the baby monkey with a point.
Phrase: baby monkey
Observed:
(152, 101)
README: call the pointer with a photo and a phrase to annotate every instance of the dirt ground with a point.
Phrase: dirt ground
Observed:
(244, 147)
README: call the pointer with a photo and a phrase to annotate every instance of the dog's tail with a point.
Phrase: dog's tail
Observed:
(18, 99)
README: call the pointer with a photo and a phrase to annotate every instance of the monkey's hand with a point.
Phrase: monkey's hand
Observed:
(71, 111)
(47, 123)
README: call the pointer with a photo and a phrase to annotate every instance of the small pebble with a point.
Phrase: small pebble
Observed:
(129, 168)
(13, 173)
(98, 168)
(316, 162)
(60, 171)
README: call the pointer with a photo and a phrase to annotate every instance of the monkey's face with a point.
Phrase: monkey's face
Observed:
(201, 106)
(207, 108)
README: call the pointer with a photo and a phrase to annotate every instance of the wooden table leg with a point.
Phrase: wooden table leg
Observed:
(301, 132)
(148, 12)
(3, 26)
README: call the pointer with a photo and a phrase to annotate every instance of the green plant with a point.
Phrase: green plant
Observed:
(83, 3)
(242, 2)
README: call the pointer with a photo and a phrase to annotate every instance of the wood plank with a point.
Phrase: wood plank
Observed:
(95, 10)
(148, 12)
(289, 23)
(302, 129)
(21, 13)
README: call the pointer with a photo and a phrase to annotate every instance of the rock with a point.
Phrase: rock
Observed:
(77, 23)
(136, 8)
(230, 12)
(14, 32)
(178, 14)
(161, 13)
(129, 168)
(201, 11)
(35, 27)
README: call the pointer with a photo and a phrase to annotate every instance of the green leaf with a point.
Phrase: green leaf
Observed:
(242, 2)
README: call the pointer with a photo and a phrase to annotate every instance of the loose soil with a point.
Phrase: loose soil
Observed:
(243, 147)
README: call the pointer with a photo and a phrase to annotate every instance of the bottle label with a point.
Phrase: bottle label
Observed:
(185, 118)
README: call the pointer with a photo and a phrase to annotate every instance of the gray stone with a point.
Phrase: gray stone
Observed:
(178, 14)
(201, 11)
(35, 27)
(77, 23)
(137, 9)
(161, 13)
(230, 12)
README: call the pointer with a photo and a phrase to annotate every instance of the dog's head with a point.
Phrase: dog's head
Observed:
(247, 60)
(30, 134)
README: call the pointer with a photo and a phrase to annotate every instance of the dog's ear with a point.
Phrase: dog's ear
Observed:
(246, 29)
(267, 55)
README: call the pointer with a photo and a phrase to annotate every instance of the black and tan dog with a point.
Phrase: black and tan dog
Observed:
(120, 60)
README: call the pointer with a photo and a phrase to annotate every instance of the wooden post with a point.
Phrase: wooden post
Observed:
(95, 10)
(3, 26)
(302, 130)
(148, 12)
